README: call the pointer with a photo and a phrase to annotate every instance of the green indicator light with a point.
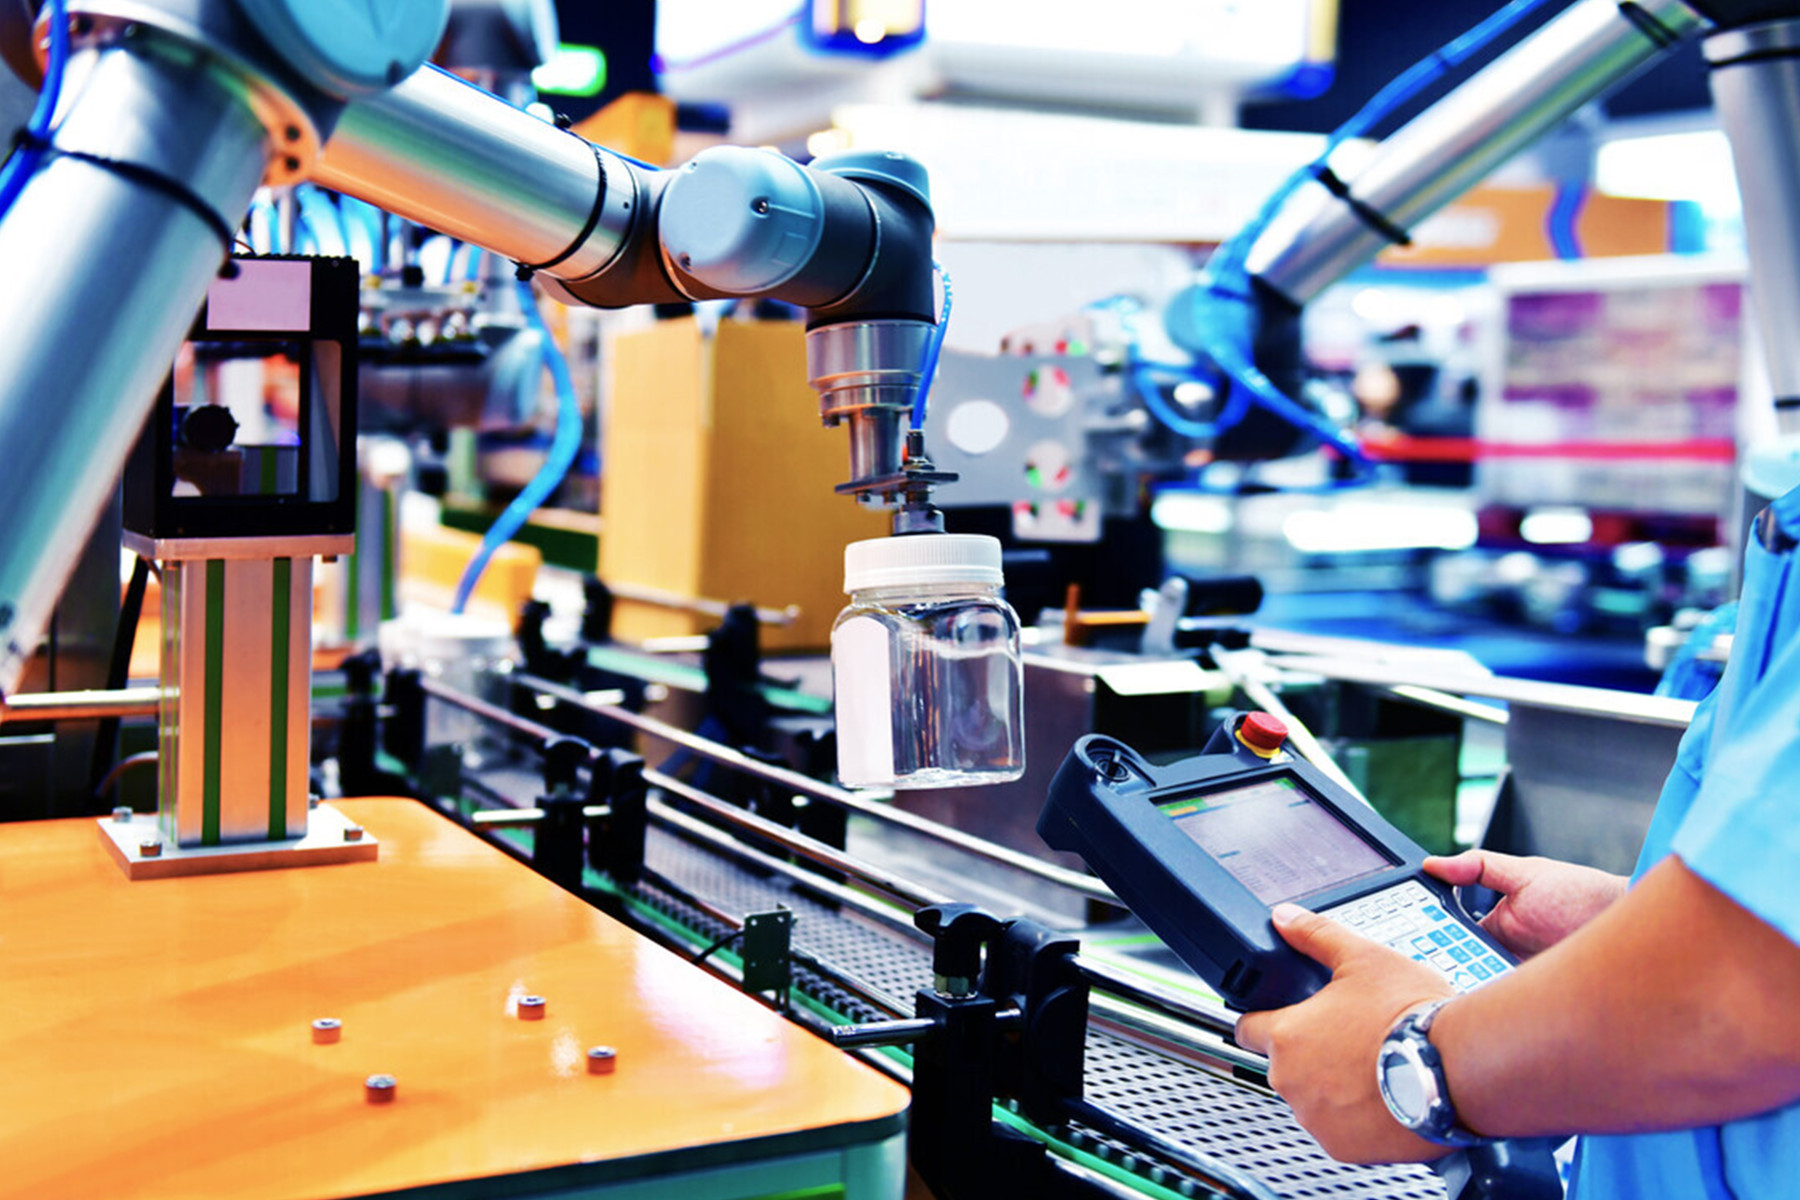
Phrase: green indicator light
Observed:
(572, 71)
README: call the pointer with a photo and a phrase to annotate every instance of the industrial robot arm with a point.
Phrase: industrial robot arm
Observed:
(1332, 224)
(848, 238)
(172, 112)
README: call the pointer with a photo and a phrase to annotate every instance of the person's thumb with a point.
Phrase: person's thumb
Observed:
(1504, 873)
(1319, 938)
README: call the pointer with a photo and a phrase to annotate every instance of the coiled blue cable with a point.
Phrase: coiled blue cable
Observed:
(563, 448)
(19, 167)
(932, 350)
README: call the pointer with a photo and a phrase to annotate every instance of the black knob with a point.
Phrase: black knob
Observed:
(960, 930)
(208, 428)
(563, 760)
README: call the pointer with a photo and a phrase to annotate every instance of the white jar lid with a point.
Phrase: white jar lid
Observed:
(922, 559)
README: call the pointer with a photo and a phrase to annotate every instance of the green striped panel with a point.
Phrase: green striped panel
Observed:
(280, 654)
(212, 723)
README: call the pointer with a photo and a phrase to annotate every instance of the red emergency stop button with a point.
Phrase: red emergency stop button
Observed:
(1262, 733)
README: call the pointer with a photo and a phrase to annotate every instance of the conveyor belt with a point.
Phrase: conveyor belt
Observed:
(1239, 1125)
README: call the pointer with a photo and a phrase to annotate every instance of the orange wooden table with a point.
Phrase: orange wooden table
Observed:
(155, 1038)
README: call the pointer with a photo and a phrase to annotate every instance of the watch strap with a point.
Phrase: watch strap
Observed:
(1410, 1040)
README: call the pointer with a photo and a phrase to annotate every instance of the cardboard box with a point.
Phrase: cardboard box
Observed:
(717, 479)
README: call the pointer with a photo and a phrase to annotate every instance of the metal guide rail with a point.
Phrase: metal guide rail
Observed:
(1164, 1104)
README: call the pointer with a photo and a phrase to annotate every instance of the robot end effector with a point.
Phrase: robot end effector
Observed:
(848, 238)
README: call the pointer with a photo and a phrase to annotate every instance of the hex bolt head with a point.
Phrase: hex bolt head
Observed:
(601, 1060)
(353, 833)
(380, 1089)
(150, 848)
(531, 1008)
(326, 1030)
(122, 815)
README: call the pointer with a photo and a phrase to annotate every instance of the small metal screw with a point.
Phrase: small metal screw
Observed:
(380, 1089)
(292, 163)
(531, 1008)
(353, 833)
(686, 261)
(122, 815)
(292, 133)
(326, 1030)
(760, 205)
(152, 848)
(312, 801)
(601, 1060)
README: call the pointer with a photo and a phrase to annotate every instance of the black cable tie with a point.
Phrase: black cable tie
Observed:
(593, 219)
(1365, 213)
(156, 181)
(523, 273)
(1648, 25)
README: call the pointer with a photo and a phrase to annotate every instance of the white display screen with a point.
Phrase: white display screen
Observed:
(1276, 839)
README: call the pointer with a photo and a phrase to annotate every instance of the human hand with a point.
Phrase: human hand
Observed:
(1322, 1051)
(1543, 900)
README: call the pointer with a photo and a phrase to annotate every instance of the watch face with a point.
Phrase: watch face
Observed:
(1408, 1086)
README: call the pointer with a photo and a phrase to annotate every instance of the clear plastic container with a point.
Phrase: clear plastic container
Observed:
(925, 665)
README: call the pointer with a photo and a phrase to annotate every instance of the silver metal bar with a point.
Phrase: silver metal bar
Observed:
(1207, 1014)
(1755, 81)
(799, 843)
(104, 275)
(1168, 1033)
(698, 604)
(80, 706)
(1433, 698)
(806, 786)
(442, 152)
(789, 839)
(717, 839)
(1318, 239)
(520, 818)
(1560, 697)
(883, 1033)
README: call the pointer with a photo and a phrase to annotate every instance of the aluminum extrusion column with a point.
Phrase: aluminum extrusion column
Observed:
(1320, 237)
(102, 277)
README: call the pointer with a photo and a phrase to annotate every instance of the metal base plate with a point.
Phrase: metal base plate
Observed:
(325, 842)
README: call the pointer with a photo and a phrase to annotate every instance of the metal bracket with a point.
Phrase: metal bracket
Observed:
(768, 938)
(137, 844)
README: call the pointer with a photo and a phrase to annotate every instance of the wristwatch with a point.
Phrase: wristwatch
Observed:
(1410, 1073)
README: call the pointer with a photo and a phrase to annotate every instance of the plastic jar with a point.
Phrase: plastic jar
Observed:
(925, 665)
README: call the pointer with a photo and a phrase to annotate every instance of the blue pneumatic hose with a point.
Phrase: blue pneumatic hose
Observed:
(18, 169)
(932, 350)
(563, 448)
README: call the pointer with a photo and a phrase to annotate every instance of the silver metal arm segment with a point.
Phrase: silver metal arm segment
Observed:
(847, 238)
(1756, 93)
(1326, 232)
(103, 276)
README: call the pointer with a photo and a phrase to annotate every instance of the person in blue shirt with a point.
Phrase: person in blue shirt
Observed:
(1657, 1017)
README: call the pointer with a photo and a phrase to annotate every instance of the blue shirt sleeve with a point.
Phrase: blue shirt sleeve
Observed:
(1742, 832)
